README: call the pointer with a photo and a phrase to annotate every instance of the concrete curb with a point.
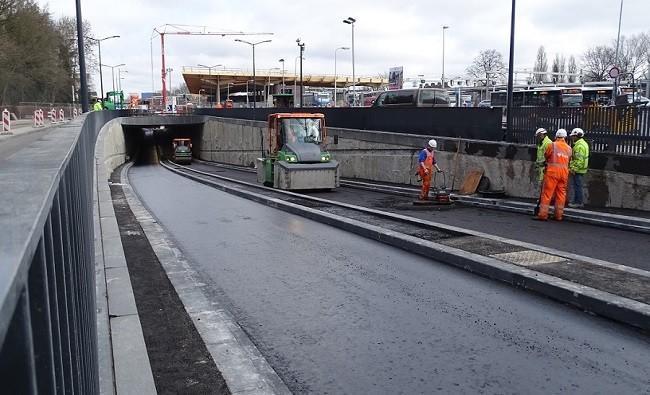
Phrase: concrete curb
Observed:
(242, 365)
(124, 366)
(608, 220)
(602, 303)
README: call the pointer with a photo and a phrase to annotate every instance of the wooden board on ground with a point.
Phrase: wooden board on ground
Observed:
(470, 183)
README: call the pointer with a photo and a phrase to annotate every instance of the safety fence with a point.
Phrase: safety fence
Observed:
(622, 130)
(48, 336)
(466, 123)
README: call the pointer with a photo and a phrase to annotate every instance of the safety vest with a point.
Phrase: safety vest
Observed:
(541, 150)
(580, 158)
(428, 162)
(97, 106)
(558, 156)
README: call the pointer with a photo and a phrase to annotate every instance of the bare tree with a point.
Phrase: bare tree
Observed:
(633, 54)
(572, 69)
(597, 62)
(541, 65)
(555, 69)
(487, 66)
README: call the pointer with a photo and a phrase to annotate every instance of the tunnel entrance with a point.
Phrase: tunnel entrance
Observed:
(147, 145)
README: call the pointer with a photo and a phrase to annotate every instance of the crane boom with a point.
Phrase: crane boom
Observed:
(184, 30)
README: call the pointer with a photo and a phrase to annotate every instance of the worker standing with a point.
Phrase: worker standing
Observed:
(578, 166)
(556, 177)
(426, 163)
(542, 143)
(98, 105)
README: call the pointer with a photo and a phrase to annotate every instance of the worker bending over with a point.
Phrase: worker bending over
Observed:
(556, 177)
(427, 162)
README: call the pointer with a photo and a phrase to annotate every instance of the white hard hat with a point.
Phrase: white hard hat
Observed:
(577, 132)
(433, 143)
(540, 131)
(560, 133)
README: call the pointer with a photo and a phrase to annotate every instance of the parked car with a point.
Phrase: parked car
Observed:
(485, 103)
(424, 97)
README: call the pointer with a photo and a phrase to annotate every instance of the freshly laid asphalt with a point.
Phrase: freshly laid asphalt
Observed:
(613, 245)
(337, 313)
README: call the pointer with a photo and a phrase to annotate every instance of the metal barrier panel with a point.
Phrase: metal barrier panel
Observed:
(466, 123)
(48, 334)
(624, 130)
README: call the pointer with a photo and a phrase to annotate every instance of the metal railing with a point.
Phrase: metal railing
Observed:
(48, 335)
(622, 130)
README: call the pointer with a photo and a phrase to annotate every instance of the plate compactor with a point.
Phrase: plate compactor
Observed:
(439, 194)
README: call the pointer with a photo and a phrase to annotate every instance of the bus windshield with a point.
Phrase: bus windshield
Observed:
(302, 130)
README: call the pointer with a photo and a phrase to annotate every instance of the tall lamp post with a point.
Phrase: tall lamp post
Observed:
(301, 45)
(268, 86)
(443, 56)
(282, 61)
(99, 49)
(295, 75)
(618, 38)
(83, 88)
(335, 74)
(210, 74)
(350, 21)
(511, 62)
(119, 78)
(113, 72)
(168, 71)
(254, 84)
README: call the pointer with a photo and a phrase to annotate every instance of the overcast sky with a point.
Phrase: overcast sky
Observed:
(387, 33)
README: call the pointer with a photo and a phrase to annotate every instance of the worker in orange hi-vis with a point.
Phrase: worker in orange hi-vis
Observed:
(556, 177)
(426, 163)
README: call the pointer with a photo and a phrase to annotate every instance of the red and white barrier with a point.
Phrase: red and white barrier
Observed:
(61, 115)
(38, 118)
(52, 116)
(6, 122)
(74, 113)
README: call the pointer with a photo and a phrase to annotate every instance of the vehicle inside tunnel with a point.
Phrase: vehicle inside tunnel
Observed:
(151, 144)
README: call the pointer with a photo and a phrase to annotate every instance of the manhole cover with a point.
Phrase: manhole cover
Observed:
(528, 258)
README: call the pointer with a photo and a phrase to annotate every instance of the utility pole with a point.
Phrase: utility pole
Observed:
(443, 56)
(254, 80)
(82, 59)
(511, 62)
(350, 21)
(301, 45)
(618, 39)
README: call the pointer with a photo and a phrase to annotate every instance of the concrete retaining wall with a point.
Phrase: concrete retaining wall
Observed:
(392, 157)
(111, 139)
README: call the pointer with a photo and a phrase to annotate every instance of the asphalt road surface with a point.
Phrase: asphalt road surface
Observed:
(618, 246)
(337, 313)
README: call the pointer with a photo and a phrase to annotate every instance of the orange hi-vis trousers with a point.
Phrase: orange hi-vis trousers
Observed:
(426, 184)
(555, 185)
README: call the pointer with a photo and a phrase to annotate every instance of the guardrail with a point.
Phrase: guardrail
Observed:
(48, 336)
(622, 130)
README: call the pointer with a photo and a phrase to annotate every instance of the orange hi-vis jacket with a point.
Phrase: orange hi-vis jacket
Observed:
(558, 156)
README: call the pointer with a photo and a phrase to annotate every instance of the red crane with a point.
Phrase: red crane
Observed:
(186, 30)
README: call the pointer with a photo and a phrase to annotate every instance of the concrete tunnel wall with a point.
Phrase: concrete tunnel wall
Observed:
(392, 157)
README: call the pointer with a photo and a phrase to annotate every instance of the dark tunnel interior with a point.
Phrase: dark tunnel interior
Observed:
(151, 144)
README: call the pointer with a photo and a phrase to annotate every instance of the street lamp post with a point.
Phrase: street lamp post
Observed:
(301, 45)
(99, 49)
(350, 21)
(119, 78)
(282, 61)
(254, 84)
(295, 75)
(209, 75)
(168, 71)
(335, 74)
(113, 72)
(511, 62)
(83, 83)
(247, 94)
(618, 38)
(443, 56)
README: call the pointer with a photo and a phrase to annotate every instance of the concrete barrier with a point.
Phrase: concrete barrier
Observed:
(392, 157)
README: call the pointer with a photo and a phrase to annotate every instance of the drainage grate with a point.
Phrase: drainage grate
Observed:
(528, 258)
